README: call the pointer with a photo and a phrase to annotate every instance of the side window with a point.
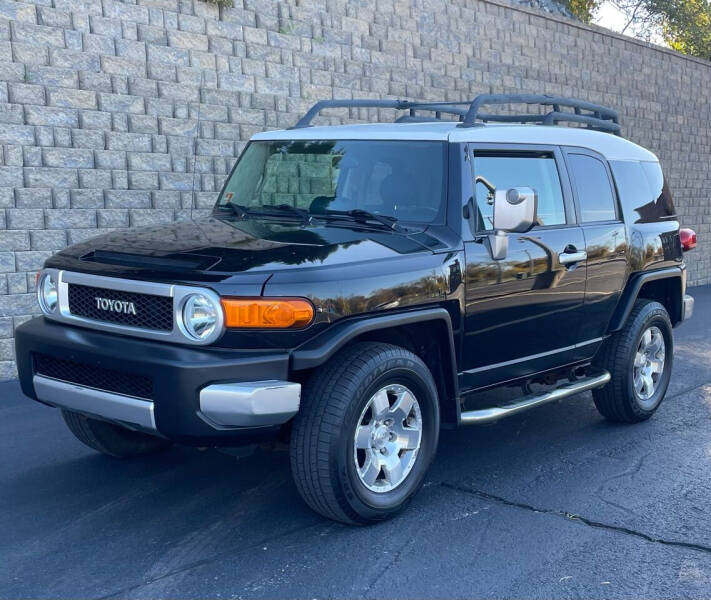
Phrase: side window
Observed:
(504, 172)
(595, 196)
(644, 194)
(663, 203)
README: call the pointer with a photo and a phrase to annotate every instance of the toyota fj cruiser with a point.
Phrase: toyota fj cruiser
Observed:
(357, 286)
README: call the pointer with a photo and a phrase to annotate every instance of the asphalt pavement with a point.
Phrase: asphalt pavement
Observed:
(554, 503)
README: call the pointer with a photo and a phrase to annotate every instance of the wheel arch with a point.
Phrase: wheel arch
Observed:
(666, 286)
(426, 333)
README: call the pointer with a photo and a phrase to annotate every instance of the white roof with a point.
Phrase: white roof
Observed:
(365, 131)
(610, 146)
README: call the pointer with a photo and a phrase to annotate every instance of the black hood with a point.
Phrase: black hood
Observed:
(214, 249)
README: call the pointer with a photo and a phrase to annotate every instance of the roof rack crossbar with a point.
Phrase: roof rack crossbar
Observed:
(599, 117)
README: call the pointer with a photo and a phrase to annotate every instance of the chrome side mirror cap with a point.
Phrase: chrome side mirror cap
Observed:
(515, 209)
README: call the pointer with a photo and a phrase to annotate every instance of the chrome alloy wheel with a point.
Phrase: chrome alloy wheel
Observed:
(648, 364)
(387, 438)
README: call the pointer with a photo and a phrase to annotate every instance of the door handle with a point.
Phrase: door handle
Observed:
(568, 258)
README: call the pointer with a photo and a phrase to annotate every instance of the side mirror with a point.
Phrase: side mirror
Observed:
(514, 211)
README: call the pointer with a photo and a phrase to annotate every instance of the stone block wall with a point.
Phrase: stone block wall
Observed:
(128, 113)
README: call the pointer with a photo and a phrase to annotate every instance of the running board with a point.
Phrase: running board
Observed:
(489, 415)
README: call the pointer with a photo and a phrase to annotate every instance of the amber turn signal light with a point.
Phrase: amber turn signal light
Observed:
(267, 313)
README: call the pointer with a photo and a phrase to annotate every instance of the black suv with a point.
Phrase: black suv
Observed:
(358, 286)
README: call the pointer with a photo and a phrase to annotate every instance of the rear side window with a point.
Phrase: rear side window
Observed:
(663, 206)
(644, 193)
(595, 195)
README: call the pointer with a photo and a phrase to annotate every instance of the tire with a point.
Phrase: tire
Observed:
(619, 400)
(111, 439)
(341, 398)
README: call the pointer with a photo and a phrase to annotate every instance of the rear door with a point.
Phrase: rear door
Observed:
(523, 313)
(598, 212)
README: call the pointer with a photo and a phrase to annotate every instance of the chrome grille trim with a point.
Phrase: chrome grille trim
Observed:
(178, 292)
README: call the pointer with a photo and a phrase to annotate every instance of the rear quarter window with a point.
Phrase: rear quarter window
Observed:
(644, 193)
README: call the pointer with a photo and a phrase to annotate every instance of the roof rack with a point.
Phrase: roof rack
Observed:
(437, 107)
(594, 116)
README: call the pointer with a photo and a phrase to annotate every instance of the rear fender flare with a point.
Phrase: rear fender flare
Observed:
(631, 292)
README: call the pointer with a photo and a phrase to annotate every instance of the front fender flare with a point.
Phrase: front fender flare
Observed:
(318, 350)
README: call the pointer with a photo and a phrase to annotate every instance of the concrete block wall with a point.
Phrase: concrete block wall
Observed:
(127, 113)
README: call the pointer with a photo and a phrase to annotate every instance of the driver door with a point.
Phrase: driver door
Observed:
(523, 312)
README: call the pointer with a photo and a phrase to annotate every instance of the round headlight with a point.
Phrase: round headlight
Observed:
(47, 293)
(200, 316)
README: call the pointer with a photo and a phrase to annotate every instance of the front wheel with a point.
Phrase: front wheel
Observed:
(639, 358)
(365, 434)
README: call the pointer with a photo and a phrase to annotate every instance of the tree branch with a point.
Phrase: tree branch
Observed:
(632, 17)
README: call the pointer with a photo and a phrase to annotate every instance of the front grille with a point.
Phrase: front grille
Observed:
(151, 312)
(100, 378)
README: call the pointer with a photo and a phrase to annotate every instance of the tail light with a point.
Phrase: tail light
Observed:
(688, 239)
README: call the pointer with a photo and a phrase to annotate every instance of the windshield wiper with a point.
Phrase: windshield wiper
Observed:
(361, 216)
(238, 209)
(266, 210)
(272, 210)
(302, 214)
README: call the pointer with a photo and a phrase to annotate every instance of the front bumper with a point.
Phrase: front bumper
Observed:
(197, 396)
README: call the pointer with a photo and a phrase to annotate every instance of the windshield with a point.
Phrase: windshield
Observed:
(401, 179)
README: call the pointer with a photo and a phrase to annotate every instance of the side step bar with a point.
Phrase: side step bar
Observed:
(489, 415)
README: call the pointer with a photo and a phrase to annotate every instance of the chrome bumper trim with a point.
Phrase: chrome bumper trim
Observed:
(250, 403)
(105, 405)
(687, 307)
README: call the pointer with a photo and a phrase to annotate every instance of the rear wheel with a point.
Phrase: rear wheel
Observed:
(111, 439)
(639, 358)
(365, 434)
